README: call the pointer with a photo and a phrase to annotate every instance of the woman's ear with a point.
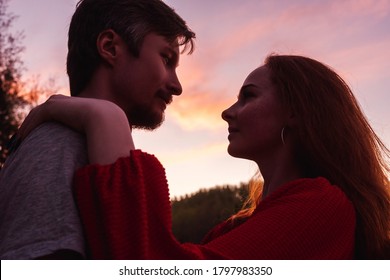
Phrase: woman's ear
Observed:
(292, 120)
(107, 45)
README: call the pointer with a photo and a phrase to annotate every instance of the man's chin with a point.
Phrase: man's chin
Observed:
(146, 127)
(146, 118)
(148, 123)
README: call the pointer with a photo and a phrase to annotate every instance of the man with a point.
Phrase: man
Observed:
(124, 51)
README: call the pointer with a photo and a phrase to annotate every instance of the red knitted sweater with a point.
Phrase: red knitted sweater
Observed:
(126, 212)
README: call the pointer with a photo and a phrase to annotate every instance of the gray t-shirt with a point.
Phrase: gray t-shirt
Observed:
(38, 214)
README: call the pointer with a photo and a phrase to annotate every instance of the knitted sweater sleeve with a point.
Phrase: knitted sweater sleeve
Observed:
(126, 214)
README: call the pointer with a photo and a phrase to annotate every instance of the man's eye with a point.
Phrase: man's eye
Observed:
(166, 59)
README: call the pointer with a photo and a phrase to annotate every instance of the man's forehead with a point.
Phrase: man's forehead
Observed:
(164, 42)
(173, 45)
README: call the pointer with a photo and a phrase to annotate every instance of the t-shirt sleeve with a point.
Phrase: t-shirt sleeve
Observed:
(38, 214)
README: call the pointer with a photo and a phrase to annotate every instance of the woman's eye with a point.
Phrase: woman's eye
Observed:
(247, 95)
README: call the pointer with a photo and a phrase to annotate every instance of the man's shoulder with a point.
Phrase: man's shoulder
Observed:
(52, 137)
(54, 130)
(37, 212)
(50, 143)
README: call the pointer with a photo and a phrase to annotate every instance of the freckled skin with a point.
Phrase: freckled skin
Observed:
(256, 119)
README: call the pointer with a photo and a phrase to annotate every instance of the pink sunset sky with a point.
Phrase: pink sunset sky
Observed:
(233, 38)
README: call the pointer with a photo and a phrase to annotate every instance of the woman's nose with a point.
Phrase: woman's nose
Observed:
(228, 113)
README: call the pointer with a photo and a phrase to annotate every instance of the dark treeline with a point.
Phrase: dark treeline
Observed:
(17, 97)
(194, 215)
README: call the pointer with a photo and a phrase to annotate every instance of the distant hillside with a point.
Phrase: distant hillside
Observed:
(194, 215)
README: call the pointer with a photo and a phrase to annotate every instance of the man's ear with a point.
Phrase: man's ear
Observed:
(107, 44)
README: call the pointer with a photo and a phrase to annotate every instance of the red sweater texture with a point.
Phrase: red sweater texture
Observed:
(126, 213)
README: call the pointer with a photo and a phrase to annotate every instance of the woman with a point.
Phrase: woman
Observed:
(325, 192)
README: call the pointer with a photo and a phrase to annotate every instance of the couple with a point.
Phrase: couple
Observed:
(87, 192)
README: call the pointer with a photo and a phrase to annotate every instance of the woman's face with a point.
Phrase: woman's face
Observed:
(256, 119)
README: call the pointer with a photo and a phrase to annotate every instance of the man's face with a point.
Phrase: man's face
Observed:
(143, 86)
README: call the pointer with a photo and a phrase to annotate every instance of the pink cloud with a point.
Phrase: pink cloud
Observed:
(373, 62)
(376, 8)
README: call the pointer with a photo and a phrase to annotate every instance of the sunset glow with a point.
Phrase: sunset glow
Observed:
(233, 38)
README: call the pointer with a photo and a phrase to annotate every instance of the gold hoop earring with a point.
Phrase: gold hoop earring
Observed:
(282, 136)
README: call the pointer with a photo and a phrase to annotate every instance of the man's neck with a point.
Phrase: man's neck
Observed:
(98, 86)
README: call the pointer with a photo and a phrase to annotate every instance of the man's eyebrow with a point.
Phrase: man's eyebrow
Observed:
(171, 50)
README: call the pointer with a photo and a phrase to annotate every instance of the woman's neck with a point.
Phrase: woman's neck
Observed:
(277, 172)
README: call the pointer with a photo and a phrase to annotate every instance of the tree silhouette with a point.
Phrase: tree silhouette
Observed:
(10, 74)
(15, 99)
(194, 215)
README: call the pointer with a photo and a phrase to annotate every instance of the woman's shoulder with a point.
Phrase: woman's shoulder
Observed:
(315, 193)
(312, 187)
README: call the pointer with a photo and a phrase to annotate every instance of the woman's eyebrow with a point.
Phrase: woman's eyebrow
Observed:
(248, 86)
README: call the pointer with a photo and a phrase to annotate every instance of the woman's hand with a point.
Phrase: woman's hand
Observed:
(39, 115)
(105, 124)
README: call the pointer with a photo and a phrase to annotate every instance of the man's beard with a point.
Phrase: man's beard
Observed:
(142, 118)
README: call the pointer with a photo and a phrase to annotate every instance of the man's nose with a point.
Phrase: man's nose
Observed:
(174, 85)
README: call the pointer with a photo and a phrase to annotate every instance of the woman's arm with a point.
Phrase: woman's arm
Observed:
(105, 125)
(306, 219)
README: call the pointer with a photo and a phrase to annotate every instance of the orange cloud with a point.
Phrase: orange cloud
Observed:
(204, 96)
(199, 110)
(173, 158)
(312, 29)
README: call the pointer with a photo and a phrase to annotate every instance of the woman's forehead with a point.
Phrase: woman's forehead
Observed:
(259, 77)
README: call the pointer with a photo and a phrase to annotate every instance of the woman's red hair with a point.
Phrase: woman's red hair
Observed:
(335, 140)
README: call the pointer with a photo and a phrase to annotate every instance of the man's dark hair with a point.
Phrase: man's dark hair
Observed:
(130, 19)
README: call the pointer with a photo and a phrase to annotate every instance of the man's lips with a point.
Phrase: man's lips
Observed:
(167, 98)
(232, 130)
